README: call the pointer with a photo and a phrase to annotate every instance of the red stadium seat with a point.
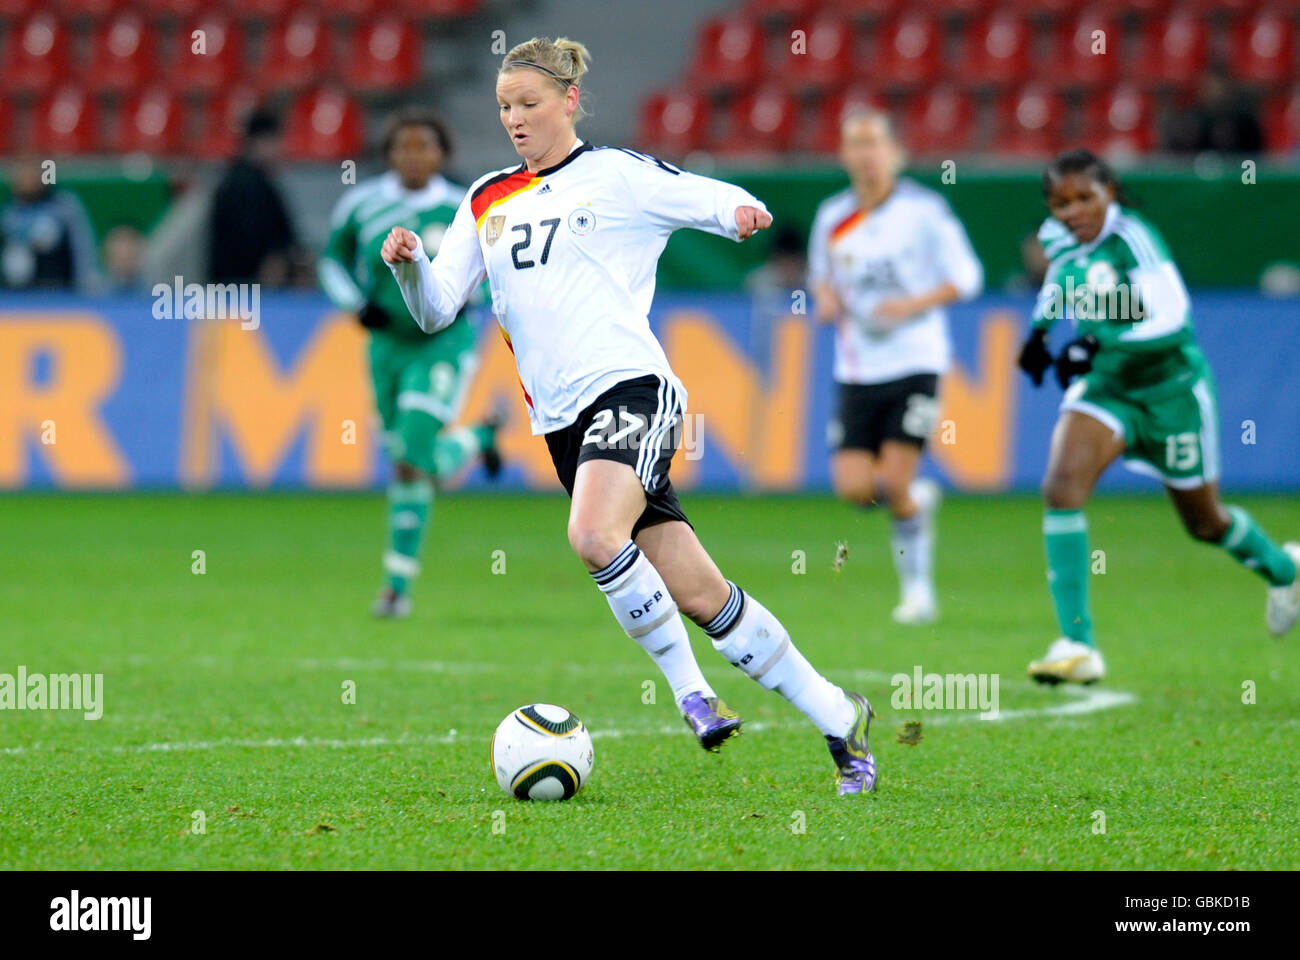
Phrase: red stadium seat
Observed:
(150, 122)
(1146, 9)
(1055, 9)
(941, 120)
(175, 8)
(908, 52)
(1121, 121)
(87, 9)
(123, 53)
(354, 9)
(221, 121)
(996, 50)
(1281, 122)
(272, 10)
(1263, 48)
(384, 55)
(760, 122)
(67, 121)
(827, 57)
(729, 53)
(826, 127)
(1172, 50)
(1073, 62)
(964, 9)
(15, 9)
(1029, 122)
(36, 54)
(8, 123)
(221, 59)
(784, 9)
(442, 9)
(324, 125)
(675, 122)
(297, 52)
(876, 9)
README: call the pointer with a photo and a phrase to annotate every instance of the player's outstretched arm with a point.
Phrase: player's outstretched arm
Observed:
(436, 290)
(750, 220)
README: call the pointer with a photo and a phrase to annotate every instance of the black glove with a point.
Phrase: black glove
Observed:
(374, 317)
(1076, 359)
(1035, 358)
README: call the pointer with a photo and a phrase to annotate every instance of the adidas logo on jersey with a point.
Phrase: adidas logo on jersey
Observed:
(546, 188)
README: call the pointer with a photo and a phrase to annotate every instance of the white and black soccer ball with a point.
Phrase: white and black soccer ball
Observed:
(542, 752)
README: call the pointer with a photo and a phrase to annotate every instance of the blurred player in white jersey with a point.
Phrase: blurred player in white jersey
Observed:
(569, 241)
(884, 258)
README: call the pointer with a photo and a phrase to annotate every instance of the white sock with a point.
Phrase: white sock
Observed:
(644, 608)
(910, 543)
(747, 634)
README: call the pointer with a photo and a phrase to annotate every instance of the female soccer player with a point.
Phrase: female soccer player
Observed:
(419, 380)
(1143, 390)
(884, 258)
(569, 240)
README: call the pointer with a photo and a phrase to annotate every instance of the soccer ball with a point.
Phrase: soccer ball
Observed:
(542, 752)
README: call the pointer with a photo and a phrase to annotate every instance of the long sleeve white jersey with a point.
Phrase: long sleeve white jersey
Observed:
(570, 254)
(909, 245)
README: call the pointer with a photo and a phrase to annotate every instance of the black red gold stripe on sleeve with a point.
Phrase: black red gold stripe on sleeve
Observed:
(496, 192)
(847, 224)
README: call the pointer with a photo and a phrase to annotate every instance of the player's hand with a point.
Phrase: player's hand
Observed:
(399, 246)
(750, 220)
(1076, 359)
(892, 312)
(1035, 358)
(374, 317)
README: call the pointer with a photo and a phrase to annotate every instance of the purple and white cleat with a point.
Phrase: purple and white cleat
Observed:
(711, 720)
(853, 760)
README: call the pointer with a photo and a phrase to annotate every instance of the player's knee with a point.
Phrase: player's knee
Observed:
(892, 490)
(1063, 492)
(596, 547)
(855, 490)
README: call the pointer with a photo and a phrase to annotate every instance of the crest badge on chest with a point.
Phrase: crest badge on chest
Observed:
(494, 227)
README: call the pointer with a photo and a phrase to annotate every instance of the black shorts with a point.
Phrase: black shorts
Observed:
(871, 413)
(637, 422)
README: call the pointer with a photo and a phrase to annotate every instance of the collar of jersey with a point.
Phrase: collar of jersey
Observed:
(1107, 228)
(579, 146)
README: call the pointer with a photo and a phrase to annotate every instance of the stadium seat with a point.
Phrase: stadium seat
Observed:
(876, 9)
(384, 55)
(1262, 49)
(907, 53)
(1054, 9)
(15, 9)
(784, 9)
(1029, 121)
(67, 121)
(35, 54)
(1120, 121)
(442, 9)
(1281, 121)
(826, 125)
(123, 53)
(827, 59)
(1171, 50)
(221, 121)
(172, 9)
(965, 9)
(150, 122)
(297, 52)
(995, 50)
(270, 10)
(761, 122)
(1072, 61)
(941, 120)
(8, 123)
(675, 121)
(221, 61)
(728, 54)
(87, 9)
(353, 9)
(324, 125)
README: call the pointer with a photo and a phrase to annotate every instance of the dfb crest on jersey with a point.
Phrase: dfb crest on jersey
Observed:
(582, 221)
(494, 225)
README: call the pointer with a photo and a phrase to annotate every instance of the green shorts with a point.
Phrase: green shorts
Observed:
(420, 386)
(1170, 430)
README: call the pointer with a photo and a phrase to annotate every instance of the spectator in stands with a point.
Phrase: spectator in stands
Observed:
(1221, 121)
(45, 236)
(123, 253)
(250, 236)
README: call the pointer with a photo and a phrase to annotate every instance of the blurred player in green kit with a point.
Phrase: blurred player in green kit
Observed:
(1141, 390)
(419, 379)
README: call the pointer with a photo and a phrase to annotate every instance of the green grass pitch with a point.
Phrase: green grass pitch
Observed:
(224, 694)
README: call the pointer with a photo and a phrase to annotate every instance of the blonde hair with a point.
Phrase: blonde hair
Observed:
(562, 60)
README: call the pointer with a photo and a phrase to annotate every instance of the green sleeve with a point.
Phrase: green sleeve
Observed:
(336, 267)
(1157, 299)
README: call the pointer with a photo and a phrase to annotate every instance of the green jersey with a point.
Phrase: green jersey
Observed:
(351, 270)
(1123, 288)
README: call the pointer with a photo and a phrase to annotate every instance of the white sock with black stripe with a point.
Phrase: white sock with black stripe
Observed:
(747, 634)
(645, 609)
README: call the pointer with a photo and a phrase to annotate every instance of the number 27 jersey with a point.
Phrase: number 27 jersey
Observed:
(570, 253)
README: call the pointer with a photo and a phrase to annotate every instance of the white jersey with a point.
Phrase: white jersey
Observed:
(910, 244)
(570, 253)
